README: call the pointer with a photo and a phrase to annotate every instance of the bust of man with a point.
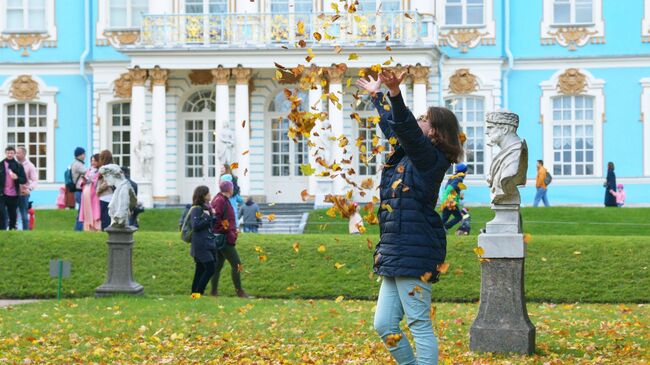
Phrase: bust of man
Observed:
(124, 198)
(508, 170)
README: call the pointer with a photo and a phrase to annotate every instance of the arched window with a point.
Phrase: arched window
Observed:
(27, 126)
(367, 133)
(286, 155)
(470, 111)
(573, 135)
(199, 133)
(200, 100)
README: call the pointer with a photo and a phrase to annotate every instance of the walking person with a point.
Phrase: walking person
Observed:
(78, 168)
(203, 247)
(450, 201)
(610, 184)
(412, 242)
(12, 175)
(25, 189)
(541, 184)
(619, 195)
(104, 191)
(225, 224)
(90, 214)
(249, 212)
(235, 199)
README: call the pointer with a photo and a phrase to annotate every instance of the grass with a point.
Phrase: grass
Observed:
(548, 221)
(558, 268)
(177, 329)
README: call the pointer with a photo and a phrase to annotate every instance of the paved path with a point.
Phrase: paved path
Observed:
(8, 302)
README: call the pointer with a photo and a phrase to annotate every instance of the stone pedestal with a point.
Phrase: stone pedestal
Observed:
(502, 324)
(120, 258)
(323, 189)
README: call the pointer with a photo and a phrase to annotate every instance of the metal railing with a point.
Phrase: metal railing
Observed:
(266, 30)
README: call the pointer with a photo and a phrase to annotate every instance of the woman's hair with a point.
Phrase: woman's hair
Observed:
(198, 198)
(95, 157)
(446, 131)
(227, 169)
(105, 157)
(610, 165)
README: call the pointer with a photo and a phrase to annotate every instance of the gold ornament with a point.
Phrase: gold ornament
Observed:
(24, 88)
(122, 86)
(221, 75)
(572, 82)
(158, 76)
(462, 38)
(573, 37)
(24, 40)
(420, 74)
(201, 77)
(462, 82)
(336, 73)
(138, 76)
(242, 75)
(122, 37)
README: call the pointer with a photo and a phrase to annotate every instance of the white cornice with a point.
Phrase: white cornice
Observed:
(582, 62)
(48, 68)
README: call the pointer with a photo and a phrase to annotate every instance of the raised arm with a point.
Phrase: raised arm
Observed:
(378, 99)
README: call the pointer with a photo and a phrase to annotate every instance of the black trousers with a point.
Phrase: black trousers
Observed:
(228, 252)
(446, 213)
(8, 206)
(105, 218)
(202, 274)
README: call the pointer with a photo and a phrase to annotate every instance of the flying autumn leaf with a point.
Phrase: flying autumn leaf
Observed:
(339, 299)
(271, 217)
(353, 56)
(304, 195)
(225, 224)
(300, 28)
(392, 140)
(400, 169)
(307, 169)
(442, 268)
(234, 165)
(338, 265)
(296, 247)
(392, 339)
(395, 184)
(338, 49)
(370, 244)
(322, 248)
(317, 36)
(263, 258)
(527, 238)
(426, 277)
(479, 251)
(368, 183)
(387, 208)
(258, 215)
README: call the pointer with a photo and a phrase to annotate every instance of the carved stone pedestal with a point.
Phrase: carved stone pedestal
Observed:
(120, 259)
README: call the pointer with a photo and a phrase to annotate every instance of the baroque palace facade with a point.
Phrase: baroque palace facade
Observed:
(176, 87)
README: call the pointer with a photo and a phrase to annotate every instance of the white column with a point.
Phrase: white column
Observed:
(138, 120)
(315, 102)
(242, 128)
(160, 6)
(159, 131)
(222, 117)
(420, 78)
(336, 75)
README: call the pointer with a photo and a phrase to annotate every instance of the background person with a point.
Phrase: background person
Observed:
(25, 189)
(249, 212)
(450, 200)
(610, 184)
(355, 224)
(202, 247)
(104, 191)
(540, 185)
(78, 168)
(90, 214)
(12, 175)
(225, 223)
(235, 199)
(619, 195)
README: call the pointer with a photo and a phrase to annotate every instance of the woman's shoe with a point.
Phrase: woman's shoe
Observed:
(242, 294)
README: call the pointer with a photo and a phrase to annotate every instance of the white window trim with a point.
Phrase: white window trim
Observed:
(487, 150)
(49, 39)
(46, 95)
(487, 29)
(595, 88)
(111, 128)
(463, 6)
(551, 33)
(104, 23)
(645, 22)
(645, 119)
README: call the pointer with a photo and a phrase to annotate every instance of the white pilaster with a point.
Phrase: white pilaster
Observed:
(138, 120)
(242, 133)
(420, 78)
(159, 131)
(315, 106)
(336, 75)
(222, 117)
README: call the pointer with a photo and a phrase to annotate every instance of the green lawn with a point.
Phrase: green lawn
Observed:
(231, 331)
(548, 221)
(558, 268)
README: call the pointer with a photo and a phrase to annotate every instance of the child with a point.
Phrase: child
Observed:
(465, 224)
(619, 195)
(356, 222)
(450, 201)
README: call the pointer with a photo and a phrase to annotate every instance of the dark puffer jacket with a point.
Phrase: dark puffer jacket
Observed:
(413, 240)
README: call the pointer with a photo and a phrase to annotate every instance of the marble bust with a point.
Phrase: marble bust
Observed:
(508, 169)
(124, 198)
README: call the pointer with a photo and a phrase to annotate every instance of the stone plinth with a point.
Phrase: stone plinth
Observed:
(323, 189)
(120, 258)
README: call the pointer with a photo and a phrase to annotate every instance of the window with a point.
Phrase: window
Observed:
(390, 5)
(286, 155)
(367, 5)
(470, 112)
(371, 140)
(464, 12)
(206, 6)
(26, 15)
(573, 135)
(279, 6)
(27, 126)
(127, 13)
(303, 6)
(200, 138)
(121, 133)
(572, 11)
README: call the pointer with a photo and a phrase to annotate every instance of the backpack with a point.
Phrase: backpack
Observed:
(548, 179)
(186, 229)
(70, 185)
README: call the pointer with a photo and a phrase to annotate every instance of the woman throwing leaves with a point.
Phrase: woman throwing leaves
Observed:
(412, 242)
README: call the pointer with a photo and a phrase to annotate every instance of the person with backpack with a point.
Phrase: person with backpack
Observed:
(12, 175)
(225, 224)
(412, 242)
(249, 212)
(197, 229)
(235, 199)
(74, 178)
(541, 183)
(450, 201)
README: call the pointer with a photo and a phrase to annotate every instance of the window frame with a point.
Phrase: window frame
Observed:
(129, 16)
(572, 15)
(27, 130)
(645, 119)
(572, 124)
(552, 33)
(474, 124)
(122, 128)
(273, 115)
(26, 16)
(463, 14)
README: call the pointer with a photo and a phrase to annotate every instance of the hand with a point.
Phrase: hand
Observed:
(392, 81)
(372, 86)
(12, 175)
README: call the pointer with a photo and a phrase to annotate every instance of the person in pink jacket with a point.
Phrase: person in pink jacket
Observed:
(619, 195)
(89, 213)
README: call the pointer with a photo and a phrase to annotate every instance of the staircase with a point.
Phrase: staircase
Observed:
(289, 218)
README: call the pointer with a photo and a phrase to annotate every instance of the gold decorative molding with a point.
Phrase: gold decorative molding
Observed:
(572, 37)
(138, 76)
(201, 77)
(462, 82)
(221, 75)
(464, 39)
(420, 74)
(242, 75)
(120, 38)
(24, 41)
(158, 76)
(336, 73)
(123, 85)
(572, 82)
(399, 69)
(24, 88)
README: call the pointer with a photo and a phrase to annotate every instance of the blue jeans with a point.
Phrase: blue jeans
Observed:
(249, 228)
(447, 213)
(541, 195)
(78, 226)
(23, 203)
(393, 303)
